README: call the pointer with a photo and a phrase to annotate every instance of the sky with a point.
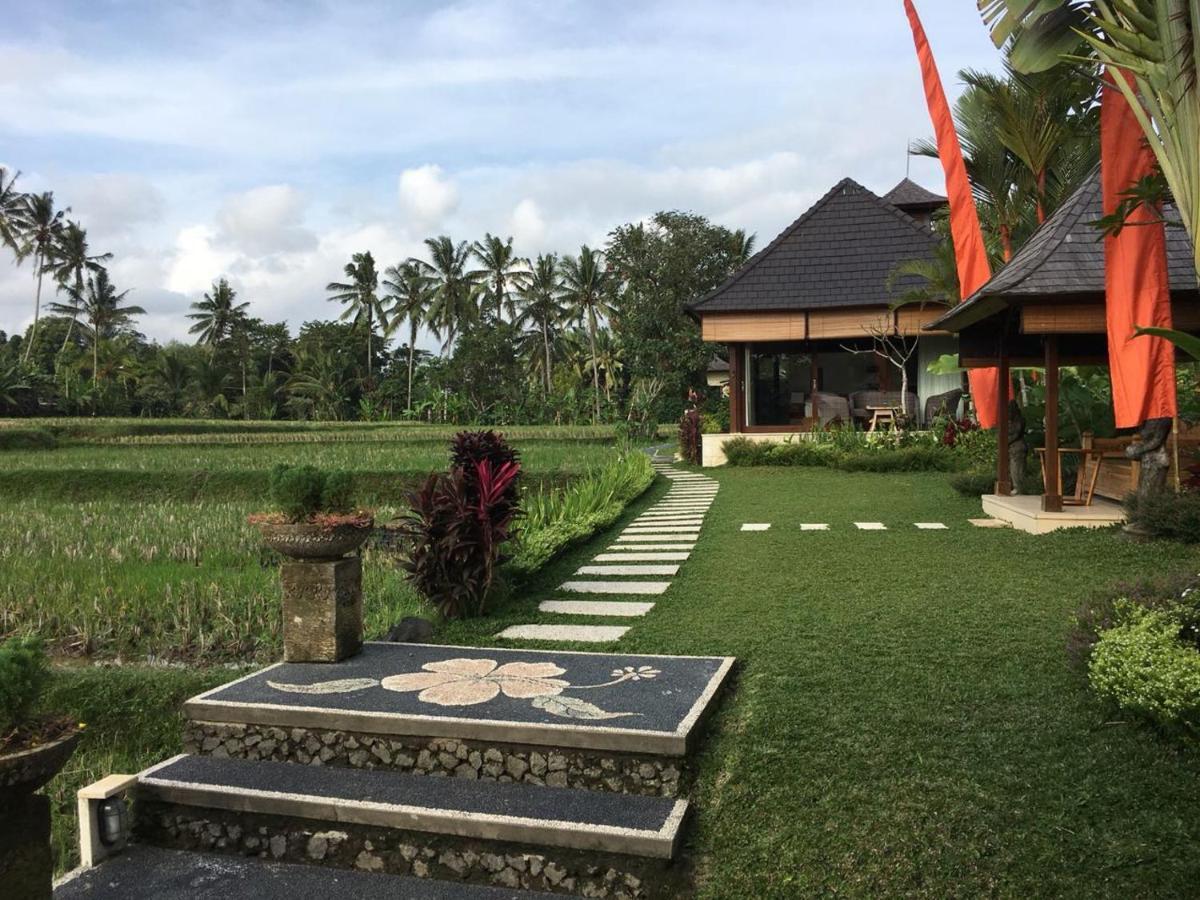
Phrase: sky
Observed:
(267, 142)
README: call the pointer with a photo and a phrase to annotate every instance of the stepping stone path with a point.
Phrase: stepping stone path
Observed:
(653, 545)
(568, 776)
(870, 526)
(756, 526)
(814, 526)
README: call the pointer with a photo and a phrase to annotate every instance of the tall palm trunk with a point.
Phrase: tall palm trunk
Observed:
(595, 368)
(546, 344)
(37, 306)
(74, 315)
(368, 345)
(412, 352)
(95, 355)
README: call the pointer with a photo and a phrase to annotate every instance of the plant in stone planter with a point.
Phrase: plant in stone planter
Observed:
(32, 747)
(314, 517)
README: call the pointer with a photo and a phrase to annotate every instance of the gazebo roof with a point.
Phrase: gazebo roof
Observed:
(911, 197)
(1064, 259)
(839, 253)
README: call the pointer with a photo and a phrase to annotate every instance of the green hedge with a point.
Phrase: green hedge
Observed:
(1167, 515)
(884, 457)
(27, 439)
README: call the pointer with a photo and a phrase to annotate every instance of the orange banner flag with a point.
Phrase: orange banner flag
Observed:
(1136, 289)
(969, 252)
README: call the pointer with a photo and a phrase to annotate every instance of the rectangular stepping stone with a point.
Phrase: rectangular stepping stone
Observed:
(662, 529)
(814, 526)
(628, 570)
(756, 526)
(667, 520)
(488, 811)
(870, 526)
(930, 526)
(595, 607)
(583, 634)
(656, 538)
(989, 523)
(637, 548)
(641, 557)
(349, 696)
(615, 587)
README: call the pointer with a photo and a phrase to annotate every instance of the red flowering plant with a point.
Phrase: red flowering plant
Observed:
(954, 427)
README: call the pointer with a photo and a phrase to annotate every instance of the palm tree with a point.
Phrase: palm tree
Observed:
(503, 271)
(171, 372)
(542, 306)
(412, 292)
(454, 288)
(68, 260)
(42, 223)
(217, 315)
(585, 289)
(938, 277)
(12, 211)
(102, 309)
(743, 246)
(608, 358)
(360, 296)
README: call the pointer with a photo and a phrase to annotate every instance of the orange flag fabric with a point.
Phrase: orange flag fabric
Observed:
(969, 251)
(1137, 291)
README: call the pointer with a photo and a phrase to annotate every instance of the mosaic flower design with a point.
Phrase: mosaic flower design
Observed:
(640, 673)
(466, 682)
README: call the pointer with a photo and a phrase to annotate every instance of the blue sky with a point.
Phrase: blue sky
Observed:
(268, 141)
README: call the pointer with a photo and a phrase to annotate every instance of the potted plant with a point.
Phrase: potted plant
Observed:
(33, 747)
(313, 516)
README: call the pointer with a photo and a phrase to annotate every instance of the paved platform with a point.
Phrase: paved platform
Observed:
(1024, 512)
(610, 701)
(155, 873)
(487, 810)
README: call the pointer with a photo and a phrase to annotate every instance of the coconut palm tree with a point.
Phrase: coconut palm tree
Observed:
(170, 371)
(585, 292)
(217, 315)
(41, 226)
(69, 259)
(455, 288)
(359, 294)
(12, 210)
(411, 292)
(102, 309)
(503, 272)
(743, 246)
(542, 307)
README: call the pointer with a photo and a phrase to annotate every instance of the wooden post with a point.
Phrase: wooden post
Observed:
(1003, 476)
(737, 419)
(1052, 495)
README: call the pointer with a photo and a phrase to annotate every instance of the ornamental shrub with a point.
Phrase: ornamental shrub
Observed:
(973, 483)
(469, 448)
(1165, 514)
(1143, 666)
(301, 492)
(23, 674)
(741, 451)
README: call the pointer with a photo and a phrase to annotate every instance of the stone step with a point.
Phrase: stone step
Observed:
(595, 607)
(469, 711)
(615, 587)
(655, 538)
(451, 829)
(143, 872)
(634, 548)
(621, 569)
(580, 634)
(661, 529)
(642, 557)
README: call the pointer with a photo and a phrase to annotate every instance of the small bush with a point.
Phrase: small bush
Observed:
(23, 675)
(1166, 515)
(27, 439)
(452, 536)
(1177, 593)
(901, 459)
(689, 436)
(470, 448)
(741, 451)
(1143, 666)
(973, 484)
(301, 492)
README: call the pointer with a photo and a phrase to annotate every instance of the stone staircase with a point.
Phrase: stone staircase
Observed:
(436, 771)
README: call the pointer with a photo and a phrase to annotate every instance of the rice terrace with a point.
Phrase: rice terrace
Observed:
(513, 461)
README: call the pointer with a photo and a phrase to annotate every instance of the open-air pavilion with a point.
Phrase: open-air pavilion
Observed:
(1046, 309)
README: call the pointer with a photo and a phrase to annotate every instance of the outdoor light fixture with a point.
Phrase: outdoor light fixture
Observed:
(112, 816)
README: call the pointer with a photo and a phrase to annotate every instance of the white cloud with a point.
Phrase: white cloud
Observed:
(265, 220)
(197, 262)
(526, 224)
(427, 195)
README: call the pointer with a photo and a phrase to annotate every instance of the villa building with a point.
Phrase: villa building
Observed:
(801, 317)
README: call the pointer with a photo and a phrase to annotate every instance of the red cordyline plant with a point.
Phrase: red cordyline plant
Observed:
(453, 534)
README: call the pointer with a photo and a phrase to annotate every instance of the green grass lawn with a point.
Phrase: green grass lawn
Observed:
(903, 720)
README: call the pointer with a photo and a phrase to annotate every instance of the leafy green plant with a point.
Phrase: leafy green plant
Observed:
(1166, 514)
(27, 439)
(300, 493)
(23, 675)
(1142, 665)
(973, 483)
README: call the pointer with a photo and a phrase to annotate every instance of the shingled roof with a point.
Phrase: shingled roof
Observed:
(910, 196)
(839, 253)
(1065, 257)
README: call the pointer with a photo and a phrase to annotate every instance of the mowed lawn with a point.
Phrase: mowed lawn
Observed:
(904, 720)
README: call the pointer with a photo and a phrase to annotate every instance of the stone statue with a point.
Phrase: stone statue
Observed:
(1018, 449)
(1150, 450)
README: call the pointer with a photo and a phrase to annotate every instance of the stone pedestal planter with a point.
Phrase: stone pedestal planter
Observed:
(322, 609)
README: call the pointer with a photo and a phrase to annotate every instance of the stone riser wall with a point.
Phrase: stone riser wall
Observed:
(489, 761)
(400, 852)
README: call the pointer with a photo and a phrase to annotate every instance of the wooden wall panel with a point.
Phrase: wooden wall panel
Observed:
(910, 320)
(1088, 318)
(763, 326)
(846, 323)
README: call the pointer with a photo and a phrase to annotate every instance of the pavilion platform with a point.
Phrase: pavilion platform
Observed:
(1025, 513)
